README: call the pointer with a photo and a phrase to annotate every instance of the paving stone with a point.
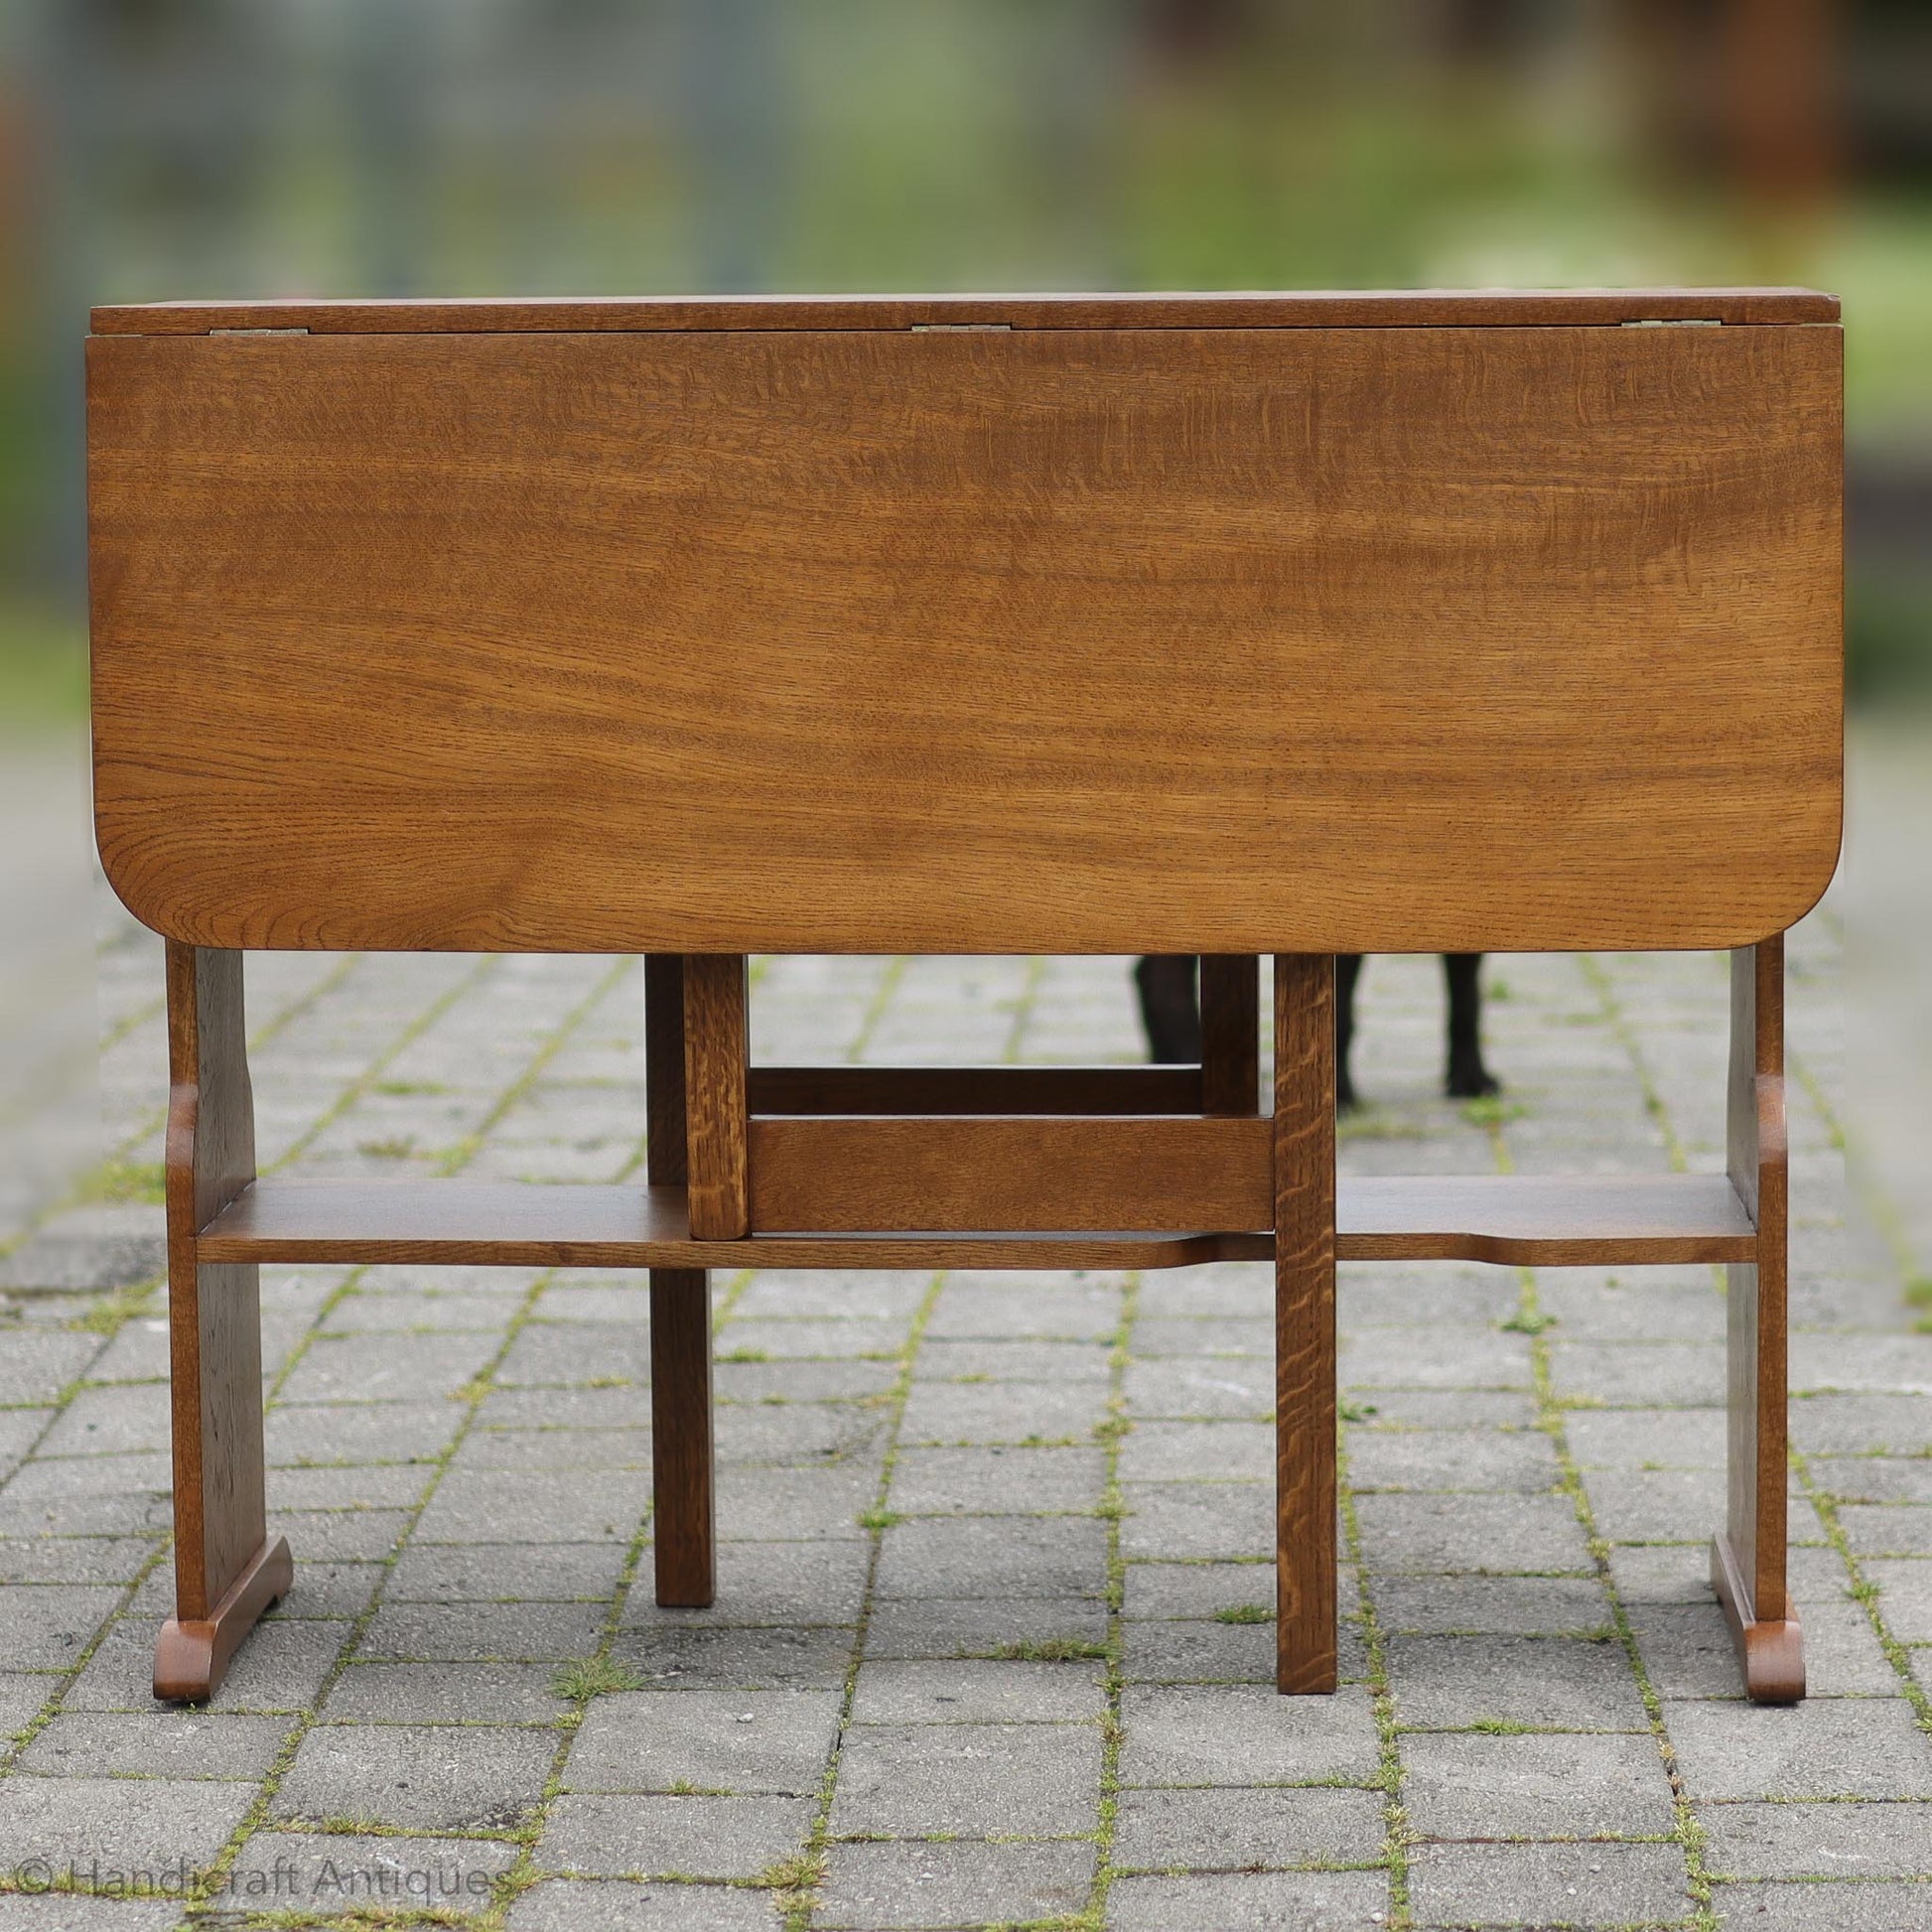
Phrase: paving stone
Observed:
(1247, 1829)
(22, 1695)
(1005, 1556)
(1174, 1451)
(535, 1506)
(364, 1431)
(1844, 1840)
(329, 1589)
(505, 1632)
(1510, 1606)
(983, 1626)
(953, 1884)
(1646, 1438)
(1197, 1650)
(488, 1572)
(1556, 1684)
(948, 1359)
(1235, 1735)
(125, 1824)
(1462, 1459)
(1825, 1748)
(1850, 1424)
(741, 1742)
(1197, 1519)
(1484, 1534)
(1433, 1358)
(771, 1582)
(1548, 1884)
(758, 1657)
(619, 1905)
(73, 1559)
(1310, 1901)
(1888, 1529)
(162, 1742)
(386, 1368)
(446, 1777)
(1640, 1374)
(996, 1481)
(1823, 1908)
(695, 1837)
(1002, 1411)
(904, 1691)
(1180, 1589)
(1209, 1387)
(762, 1503)
(968, 1780)
(38, 1363)
(445, 1693)
(1462, 1786)
(338, 1872)
(116, 1421)
(1904, 1595)
(1873, 1478)
(79, 1912)
(48, 1626)
(1059, 1308)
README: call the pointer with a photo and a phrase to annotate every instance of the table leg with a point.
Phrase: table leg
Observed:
(1747, 1558)
(683, 1537)
(1304, 1321)
(228, 1569)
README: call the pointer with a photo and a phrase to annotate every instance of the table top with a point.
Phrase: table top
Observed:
(1228, 308)
(820, 635)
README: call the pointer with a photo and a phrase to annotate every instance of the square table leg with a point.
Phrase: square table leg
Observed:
(1304, 1321)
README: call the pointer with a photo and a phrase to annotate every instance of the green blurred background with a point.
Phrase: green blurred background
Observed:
(166, 148)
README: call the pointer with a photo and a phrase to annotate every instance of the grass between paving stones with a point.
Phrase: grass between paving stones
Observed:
(1863, 1591)
(1397, 1834)
(798, 1880)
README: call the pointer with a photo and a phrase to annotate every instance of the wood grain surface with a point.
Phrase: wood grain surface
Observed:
(1305, 1422)
(213, 1307)
(1756, 1298)
(1543, 1221)
(1067, 640)
(1159, 1172)
(1339, 308)
(717, 1055)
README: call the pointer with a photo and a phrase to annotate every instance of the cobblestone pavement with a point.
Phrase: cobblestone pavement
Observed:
(991, 1642)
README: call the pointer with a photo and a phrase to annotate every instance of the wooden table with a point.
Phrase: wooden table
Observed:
(1216, 624)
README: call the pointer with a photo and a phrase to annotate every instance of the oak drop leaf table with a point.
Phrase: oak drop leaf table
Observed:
(1225, 625)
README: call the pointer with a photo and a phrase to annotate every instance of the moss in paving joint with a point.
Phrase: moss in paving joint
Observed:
(363, 1081)
(1863, 1591)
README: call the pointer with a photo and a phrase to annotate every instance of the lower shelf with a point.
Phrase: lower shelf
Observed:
(1532, 1220)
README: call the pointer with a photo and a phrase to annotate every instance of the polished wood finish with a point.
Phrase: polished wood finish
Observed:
(866, 641)
(1304, 1322)
(192, 1654)
(682, 1448)
(684, 1533)
(1749, 1557)
(1544, 1220)
(1336, 309)
(1230, 1034)
(716, 1054)
(977, 1090)
(222, 1540)
(1156, 1172)
(1770, 1650)
(1527, 1220)
(666, 1121)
